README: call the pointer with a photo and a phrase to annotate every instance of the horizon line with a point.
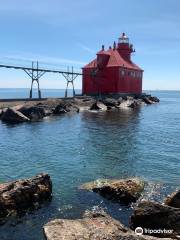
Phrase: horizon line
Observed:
(81, 89)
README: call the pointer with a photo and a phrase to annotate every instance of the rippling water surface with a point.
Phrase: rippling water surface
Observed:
(78, 148)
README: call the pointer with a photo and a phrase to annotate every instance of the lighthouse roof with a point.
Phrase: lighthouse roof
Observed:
(115, 60)
(103, 52)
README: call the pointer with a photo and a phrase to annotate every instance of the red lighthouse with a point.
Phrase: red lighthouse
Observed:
(113, 72)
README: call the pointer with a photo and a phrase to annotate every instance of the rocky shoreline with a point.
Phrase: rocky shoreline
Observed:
(29, 111)
(93, 226)
(156, 220)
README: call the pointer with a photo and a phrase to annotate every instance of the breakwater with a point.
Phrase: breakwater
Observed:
(26, 111)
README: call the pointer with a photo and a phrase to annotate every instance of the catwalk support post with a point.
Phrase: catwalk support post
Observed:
(35, 74)
(70, 76)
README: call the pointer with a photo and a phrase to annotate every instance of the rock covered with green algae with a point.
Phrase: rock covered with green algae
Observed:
(122, 190)
(93, 226)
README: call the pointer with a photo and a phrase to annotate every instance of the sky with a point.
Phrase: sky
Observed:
(62, 33)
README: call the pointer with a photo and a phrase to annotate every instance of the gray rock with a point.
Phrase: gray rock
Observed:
(152, 215)
(123, 190)
(173, 200)
(154, 99)
(59, 110)
(21, 195)
(46, 109)
(148, 99)
(13, 116)
(84, 103)
(1, 113)
(94, 226)
(64, 107)
(131, 98)
(98, 106)
(136, 103)
(34, 113)
(111, 102)
(120, 100)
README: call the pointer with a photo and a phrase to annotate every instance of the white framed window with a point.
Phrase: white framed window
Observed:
(122, 72)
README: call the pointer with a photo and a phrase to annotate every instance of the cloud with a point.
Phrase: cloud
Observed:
(87, 49)
(53, 62)
(54, 12)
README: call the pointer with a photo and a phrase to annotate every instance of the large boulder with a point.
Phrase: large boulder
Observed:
(130, 102)
(59, 110)
(111, 102)
(46, 109)
(154, 99)
(123, 190)
(148, 99)
(65, 106)
(13, 116)
(84, 103)
(98, 106)
(21, 195)
(34, 113)
(136, 103)
(173, 200)
(155, 216)
(1, 112)
(93, 226)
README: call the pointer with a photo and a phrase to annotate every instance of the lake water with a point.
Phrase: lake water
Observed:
(24, 93)
(78, 148)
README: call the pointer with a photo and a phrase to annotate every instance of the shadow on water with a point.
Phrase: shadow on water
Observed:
(110, 136)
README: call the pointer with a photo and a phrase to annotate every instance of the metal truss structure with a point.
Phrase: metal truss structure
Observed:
(35, 73)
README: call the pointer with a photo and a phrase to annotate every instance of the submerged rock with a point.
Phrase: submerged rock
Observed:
(123, 190)
(21, 195)
(152, 215)
(93, 226)
(173, 200)
(13, 116)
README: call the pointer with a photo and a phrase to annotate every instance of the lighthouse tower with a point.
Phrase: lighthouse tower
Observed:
(125, 48)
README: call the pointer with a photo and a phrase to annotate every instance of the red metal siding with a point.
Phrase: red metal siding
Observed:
(110, 81)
